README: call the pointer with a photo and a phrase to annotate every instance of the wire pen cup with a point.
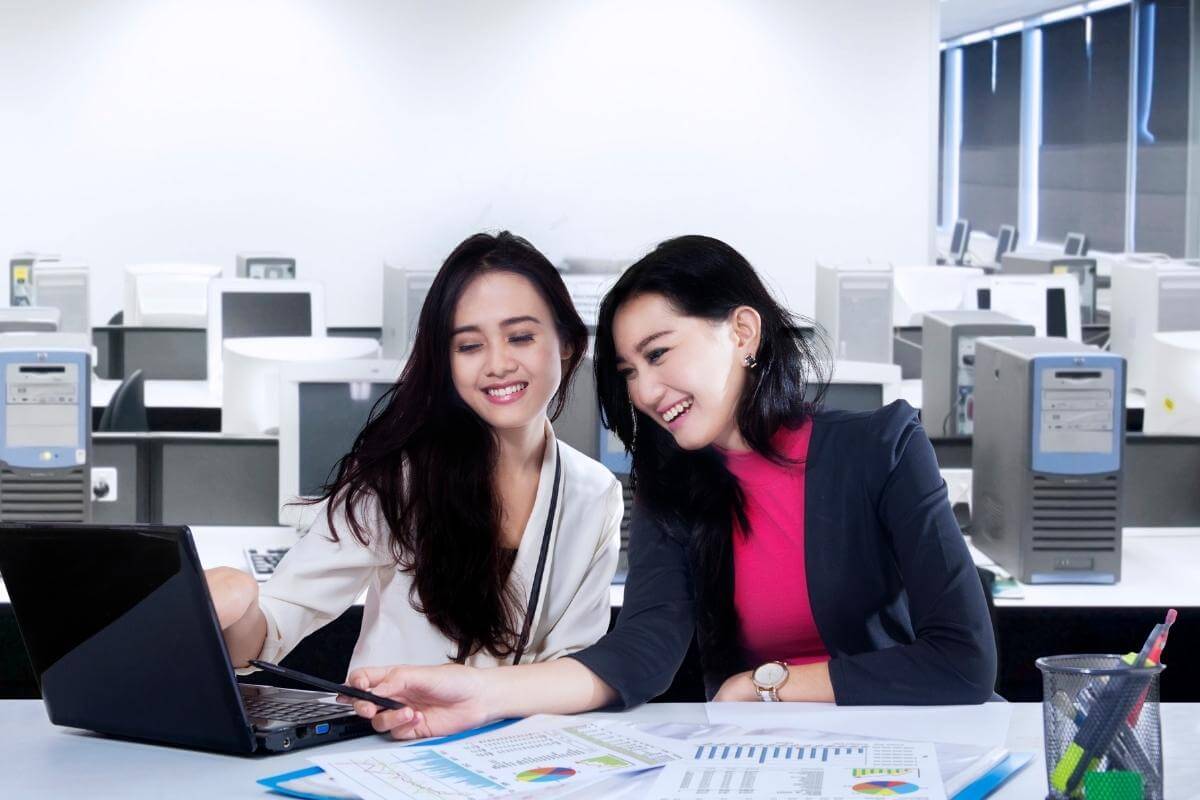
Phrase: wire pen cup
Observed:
(1103, 731)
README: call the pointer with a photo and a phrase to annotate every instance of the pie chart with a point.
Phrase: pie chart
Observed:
(546, 774)
(885, 788)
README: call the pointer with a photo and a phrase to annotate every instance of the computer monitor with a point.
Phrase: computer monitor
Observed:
(266, 266)
(250, 389)
(404, 293)
(1075, 245)
(919, 290)
(862, 385)
(960, 241)
(1006, 241)
(64, 286)
(1050, 303)
(241, 308)
(167, 295)
(1149, 297)
(587, 290)
(32, 319)
(1173, 388)
(322, 409)
(1084, 270)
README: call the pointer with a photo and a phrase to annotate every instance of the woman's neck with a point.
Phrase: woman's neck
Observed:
(522, 449)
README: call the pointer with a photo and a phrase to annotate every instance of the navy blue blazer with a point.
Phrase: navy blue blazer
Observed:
(895, 596)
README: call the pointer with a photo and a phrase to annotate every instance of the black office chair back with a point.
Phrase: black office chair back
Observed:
(126, 411)
(117, 318)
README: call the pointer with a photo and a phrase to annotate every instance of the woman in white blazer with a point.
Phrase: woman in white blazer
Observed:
(477, 536)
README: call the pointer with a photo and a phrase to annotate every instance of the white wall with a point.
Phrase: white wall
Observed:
(347, 131)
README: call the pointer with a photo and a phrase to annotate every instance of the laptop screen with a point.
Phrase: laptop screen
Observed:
(121, 633)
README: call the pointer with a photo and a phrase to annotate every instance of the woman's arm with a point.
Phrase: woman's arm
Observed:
(243, 624)
(633, 663)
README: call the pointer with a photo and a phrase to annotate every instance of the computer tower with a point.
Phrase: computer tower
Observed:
(948, 352)
(267, 266)
(20, 279)
(854, 306)
(1150, 297)
(1084, 270)
(64, 286)
(1046, 459)
(45, 432)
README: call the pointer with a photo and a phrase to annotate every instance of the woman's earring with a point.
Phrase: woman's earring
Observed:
(750, 361)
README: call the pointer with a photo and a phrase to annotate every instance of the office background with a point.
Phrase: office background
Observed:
(346, 132)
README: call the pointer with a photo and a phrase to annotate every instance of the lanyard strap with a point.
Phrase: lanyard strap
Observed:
(536, 590)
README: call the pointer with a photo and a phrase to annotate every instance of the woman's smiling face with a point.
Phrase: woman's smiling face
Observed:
(506, 358)
(685, 373)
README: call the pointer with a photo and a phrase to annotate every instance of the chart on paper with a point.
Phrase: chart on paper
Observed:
(763, 767)
(536, 754)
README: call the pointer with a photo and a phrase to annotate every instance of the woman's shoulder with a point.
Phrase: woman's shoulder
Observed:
(585, 475)
(888, 429)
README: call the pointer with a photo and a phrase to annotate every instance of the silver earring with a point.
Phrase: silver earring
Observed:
(750, 361)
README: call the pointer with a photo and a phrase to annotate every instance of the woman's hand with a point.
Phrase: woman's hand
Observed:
(233, 593)
(737, 688)
(440, 700)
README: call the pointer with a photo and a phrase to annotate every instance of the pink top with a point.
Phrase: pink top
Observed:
(770, 587)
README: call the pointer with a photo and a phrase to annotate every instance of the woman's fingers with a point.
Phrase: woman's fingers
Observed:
(384, 721)
(416, 729)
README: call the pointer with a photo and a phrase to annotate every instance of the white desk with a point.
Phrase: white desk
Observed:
(43, 761)
(161, 394)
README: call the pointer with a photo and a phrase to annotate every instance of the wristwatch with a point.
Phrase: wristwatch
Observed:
(768, 679)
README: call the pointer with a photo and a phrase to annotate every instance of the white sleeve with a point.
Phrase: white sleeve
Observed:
(587, 616)
(319, 579)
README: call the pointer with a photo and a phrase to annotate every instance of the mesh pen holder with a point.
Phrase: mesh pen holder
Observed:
(1103, 732)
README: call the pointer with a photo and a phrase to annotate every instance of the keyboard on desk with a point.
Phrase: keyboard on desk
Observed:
(265, 708)
(263, 560)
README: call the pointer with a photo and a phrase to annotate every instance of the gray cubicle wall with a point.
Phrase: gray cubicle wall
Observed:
(1162, 477)
(189, 479)
(128, 454)
(205, 479)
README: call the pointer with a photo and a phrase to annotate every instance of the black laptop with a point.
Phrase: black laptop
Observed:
(122, 635)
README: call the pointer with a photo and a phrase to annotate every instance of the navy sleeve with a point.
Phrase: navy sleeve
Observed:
(640, 656)
(953, 659)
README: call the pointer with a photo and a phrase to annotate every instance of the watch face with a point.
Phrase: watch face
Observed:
(770, 674)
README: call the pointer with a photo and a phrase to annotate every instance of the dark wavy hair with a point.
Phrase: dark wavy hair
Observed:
(429, 460)
(693, 491)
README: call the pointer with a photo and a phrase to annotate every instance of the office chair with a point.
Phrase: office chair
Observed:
(126, 411)
(117, 318)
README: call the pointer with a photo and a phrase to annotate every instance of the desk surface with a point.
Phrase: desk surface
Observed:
(58, 762)
(161, 394)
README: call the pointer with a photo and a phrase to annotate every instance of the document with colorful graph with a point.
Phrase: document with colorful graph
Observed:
(768, 767)
(538, 753)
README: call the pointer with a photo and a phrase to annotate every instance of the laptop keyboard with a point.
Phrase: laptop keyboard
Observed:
(291, 711)
(263, 560)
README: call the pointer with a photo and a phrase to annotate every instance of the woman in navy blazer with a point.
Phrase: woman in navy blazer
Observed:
(696, 362)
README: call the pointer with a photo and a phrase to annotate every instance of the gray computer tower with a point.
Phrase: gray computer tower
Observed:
(45, 431)
(948, 365)
(1084, 269)
(266, 266)
(854, 306)
(1047, 457)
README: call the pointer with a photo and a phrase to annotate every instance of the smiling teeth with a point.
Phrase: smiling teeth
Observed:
(507, 390)
(677, 409)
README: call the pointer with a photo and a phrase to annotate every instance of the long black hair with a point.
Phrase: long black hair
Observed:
(693, 491)
(429, 460)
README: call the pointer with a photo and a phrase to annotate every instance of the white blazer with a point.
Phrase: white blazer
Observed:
(319, 578)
